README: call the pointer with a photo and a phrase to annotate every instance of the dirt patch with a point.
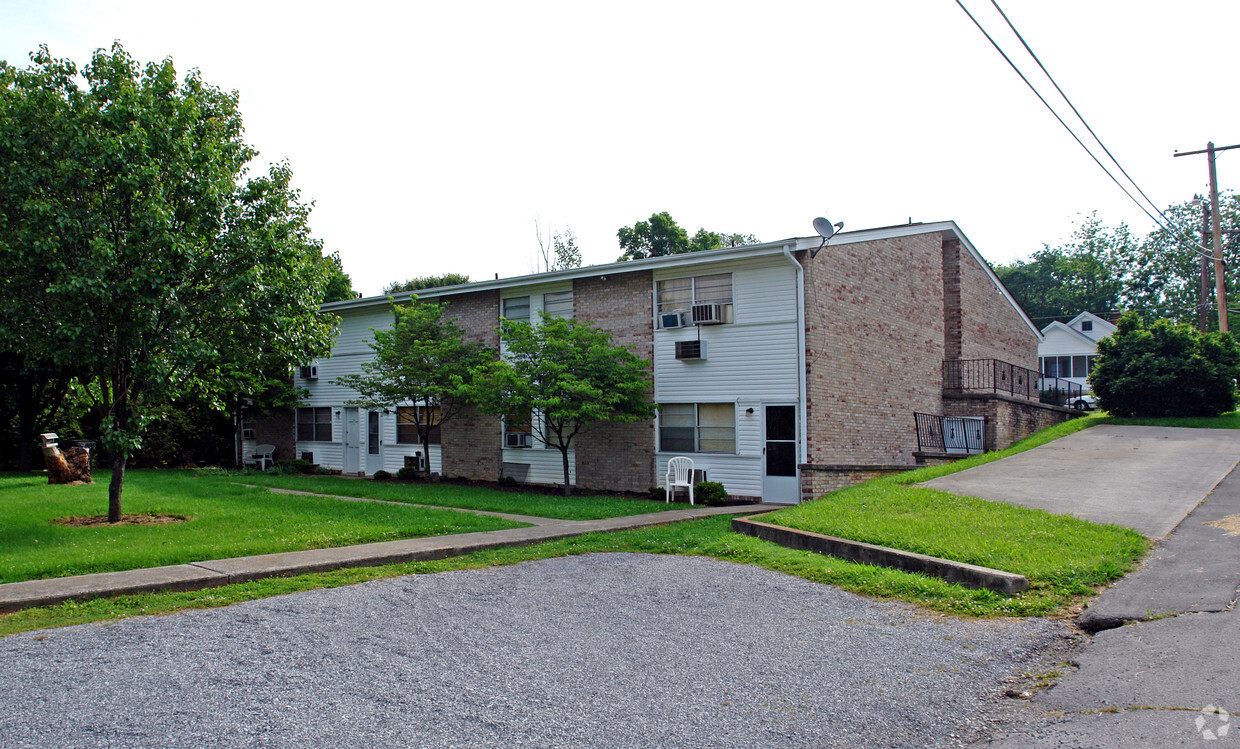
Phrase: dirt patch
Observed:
(126, 519)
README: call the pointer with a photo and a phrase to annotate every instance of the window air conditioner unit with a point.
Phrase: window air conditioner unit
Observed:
(248, 434)
(690, 350)
(310, 372)
(518, 439)
(308, 456)
(671, 319)
(415, 461)
(707, 314)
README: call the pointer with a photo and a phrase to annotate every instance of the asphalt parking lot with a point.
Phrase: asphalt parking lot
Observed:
(606, 650)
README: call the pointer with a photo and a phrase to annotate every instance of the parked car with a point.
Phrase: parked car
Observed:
(1086, 402)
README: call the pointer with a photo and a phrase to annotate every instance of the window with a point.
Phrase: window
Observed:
(1068, 366)
(559, 304)
(517, 431)
(314, 424)
(1087, 325)
(517, 309)
(248, 426)
(407, 424)
(680, 294)
(697, 428)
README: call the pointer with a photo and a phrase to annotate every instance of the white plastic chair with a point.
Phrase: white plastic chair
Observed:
(262, 456)
(679, 473)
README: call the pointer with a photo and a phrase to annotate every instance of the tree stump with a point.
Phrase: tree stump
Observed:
(70, 467)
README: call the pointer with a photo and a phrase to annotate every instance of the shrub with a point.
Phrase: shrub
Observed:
(658, 494)
(710, 493)
(293, 466)
(409, 473)
(507, 481)
(382, 475)
(1165, 370)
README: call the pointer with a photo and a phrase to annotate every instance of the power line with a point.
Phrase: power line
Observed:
(1169, 226)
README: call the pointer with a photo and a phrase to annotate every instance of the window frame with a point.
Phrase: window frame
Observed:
(660, 309)
(514, 424)
(318, 426)
(697, 428)
(435, 437)
(503, 308)
(558, 297)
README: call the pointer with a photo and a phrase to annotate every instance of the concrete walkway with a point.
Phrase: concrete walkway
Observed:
(216, 572)
(1145, 478)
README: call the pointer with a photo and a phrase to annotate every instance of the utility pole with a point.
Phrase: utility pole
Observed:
(1220, 286)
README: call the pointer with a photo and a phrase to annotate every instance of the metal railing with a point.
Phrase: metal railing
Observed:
(972, 375)
(950, 434)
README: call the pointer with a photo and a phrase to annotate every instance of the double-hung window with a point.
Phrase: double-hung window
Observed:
(517, 309)
(681, 294)
(407, 419)
(697, 428)
(517, 431)
(558, 304)
(314, 424)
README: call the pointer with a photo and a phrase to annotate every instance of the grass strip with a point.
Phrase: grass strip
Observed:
(226, 520)
(538, 504)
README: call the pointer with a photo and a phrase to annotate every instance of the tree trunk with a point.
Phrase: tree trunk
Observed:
(426, 451)
(564, 454)
(114, 488)
(25, 453)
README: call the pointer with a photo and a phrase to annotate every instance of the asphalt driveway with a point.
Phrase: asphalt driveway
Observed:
(1145, 478)
(612, 650)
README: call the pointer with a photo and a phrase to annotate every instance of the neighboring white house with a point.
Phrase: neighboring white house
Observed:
(1067, 350)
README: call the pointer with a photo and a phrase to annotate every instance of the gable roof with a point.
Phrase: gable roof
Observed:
(1058, 326)
(944, 228)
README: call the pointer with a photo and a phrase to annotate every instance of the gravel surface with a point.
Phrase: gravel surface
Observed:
(604, 650)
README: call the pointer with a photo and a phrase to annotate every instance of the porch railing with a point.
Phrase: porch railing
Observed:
(950, 434)
(993, 375)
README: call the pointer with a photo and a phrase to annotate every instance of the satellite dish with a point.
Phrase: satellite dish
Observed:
(823, 227)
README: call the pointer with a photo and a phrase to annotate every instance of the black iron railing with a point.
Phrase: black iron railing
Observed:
(971, 375)
(950, 434)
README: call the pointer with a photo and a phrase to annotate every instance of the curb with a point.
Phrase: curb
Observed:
(968, 575)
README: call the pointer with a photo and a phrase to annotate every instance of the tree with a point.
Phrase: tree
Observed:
(163, 271)
(1164, 272)
(1084, 274)
(661, 235)
(568, 377)
(423, 361)
(425, 282)
(339, 285)
(557, 251)
(1165, 370)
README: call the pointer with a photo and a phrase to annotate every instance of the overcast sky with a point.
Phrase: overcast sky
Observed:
(430, 135)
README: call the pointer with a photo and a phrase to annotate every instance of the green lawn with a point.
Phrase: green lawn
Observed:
(227, 520)
(1063, 557)
(589, 507)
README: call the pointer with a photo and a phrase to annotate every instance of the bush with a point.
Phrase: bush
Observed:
(382, 475)
(710, 493)
(321, 471)
(293, 466)
(408, 473)
(1165, 370)
(507, 481)
(658, 494)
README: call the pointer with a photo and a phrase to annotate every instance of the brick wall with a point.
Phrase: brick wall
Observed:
(1008, 420)
(277, 428)
(618, 457)
(471, 441)
(874, 347)
(986, 323)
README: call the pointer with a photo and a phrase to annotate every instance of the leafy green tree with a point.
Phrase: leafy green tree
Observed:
(339, 285)
(1164, 272)
(423, 361)
(1084, 274)
(425, 282)
(569, 376)
(160, 269)
(1165, 370)
(661, 235)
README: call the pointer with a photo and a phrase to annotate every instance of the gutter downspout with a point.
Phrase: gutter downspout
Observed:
(803, 456)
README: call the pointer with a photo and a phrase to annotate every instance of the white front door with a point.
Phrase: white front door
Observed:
(374, 458)
(352, 441)
(779, 455)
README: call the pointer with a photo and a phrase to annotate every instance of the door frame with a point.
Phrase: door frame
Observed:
(351, 460)
(782, 489)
